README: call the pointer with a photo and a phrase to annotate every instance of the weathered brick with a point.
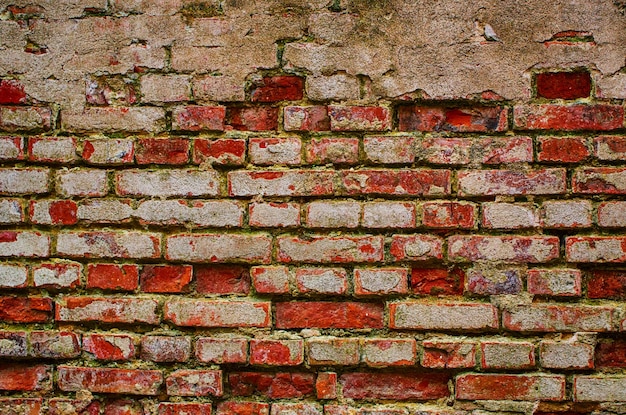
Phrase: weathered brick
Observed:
(563, 85)
(610, 353)
(13, 344)
(380, 281)
(24, 181)
(437, 281)
(332, 87)
(219, 248)
(296, 408)
(606, 284)
(511, 182)
(11, 148)
(222, 279)
(597, 249)
(52, 149)
(198, 213)
(442, 316)
(162, 151)
(500, 150)
(281, 183)
(448, 354)
(247, 408)
(563, 149)
(275, 151)
(223, 151)
(54, 344)
(599, 389)
(109, 346)
(167, 183)
(82, 183)
(443, 150)
(11, 211)
(218, 88)
(507, 355)
(405, 386)
(566, 214)
(23, 406)
(511, 387)
(272, 385)
(449, 215)
(53, 212)
(612, 214)
(556, 282)
(277, 88)
(332, 351)
(489, 280)
(389, 352)
(314, 118)
(165, 88)
(184, 408)
(214, 313)
(389, 149)
(333, 214)
(107, 310)
(57, 275)
(474, 119)
(166, 348)
(165, 278)
(328, 249)
(416, 247)
(335, 150)
(599, 117)
(253, 118)
(222, 350)
(276, 352)
(326, 385)
(110, 90)
(389, 215)
(114, 119)
(21, 377)
(24, 244)
(120, 244)
(496, 215)
(25, 118)
(274, 215)
(420, 182)
(328, 315)
(353, 118)
(599, 180)
(108, 380)
(109, 151)
(566, 355)
(105, 211)
(12, 92)
(270, 280)
(532, 249)
(13, 276)
(198, 118)
(610, 148)
(330, 281)
(554, 318)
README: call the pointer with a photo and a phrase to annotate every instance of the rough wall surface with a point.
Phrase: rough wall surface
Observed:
(276, 207)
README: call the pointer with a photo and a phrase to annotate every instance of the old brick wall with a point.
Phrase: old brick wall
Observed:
(287, 207)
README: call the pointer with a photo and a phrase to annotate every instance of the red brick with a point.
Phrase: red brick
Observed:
(409, 386)
(272, 385)
(444, 150)
(25, 118)
(222, 350)
(348, 315)
(123, 407)
(278, 88)
(531, 249)
(25, 310)
(25, 406)
(120, 244)
(270, 280)
(112, 276)
(330, 281)
(437, 281)
(563, 149)
(511, 387)
(52, 149)
(511, 182)
(57, 275)
(448, 354)
(449, 215)
(563, 85)
(60, 406)
(442, 316)
(219, 248)
(184, 408)
(12, 92)
(222, 279)
(211, 313)
(326, 385)
(166, 348)
(607, 284)
(54, 344)
(107, 380)
(500, 150)
(109, 346)
(507, 355)
(335, 150)
(224, 151)
(599, 180)
(554, 282)
(198, 118)
(21, 377)
(599, 117)
(274, 215)
(11, 148)
(380, 281)
(460, 119)
(253, 118)
(276, 352)
(242, 408)
(599, 249)
(194, 383)
(416, 247)
(328, 249)
(610, 353)
(390, 150)
(162, 151)
(420, 182)
(275, 151)
(314, 118)
(281, 183)
(609, 148)
(53, 212)
(353, 118)
(107, 310)
(165, 278)
(558, 318)
(332, 351)
(389, 352)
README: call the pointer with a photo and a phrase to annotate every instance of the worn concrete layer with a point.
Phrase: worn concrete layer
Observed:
(445, 49)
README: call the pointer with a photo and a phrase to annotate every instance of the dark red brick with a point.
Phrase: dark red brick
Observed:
(165, 278)
(12, 92)
(112, 277)
(25, 310)
(408, 386)
(222, 279)
(346, 315)
(253, 118)
(242, 408)
(607, 284)
(611, 353)
(278, 88)
(162, 151)
(563, 85)
(437, 281)
(184, 408)
(272, 385)
(471, 119)
(563, 149)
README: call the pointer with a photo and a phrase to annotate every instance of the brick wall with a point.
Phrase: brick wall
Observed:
(276, 208)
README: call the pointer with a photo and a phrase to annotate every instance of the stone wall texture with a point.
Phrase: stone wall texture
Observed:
(290, 207)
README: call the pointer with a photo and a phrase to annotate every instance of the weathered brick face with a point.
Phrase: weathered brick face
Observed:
(280, 207)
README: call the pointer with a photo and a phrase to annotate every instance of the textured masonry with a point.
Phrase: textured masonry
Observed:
(317, 207)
